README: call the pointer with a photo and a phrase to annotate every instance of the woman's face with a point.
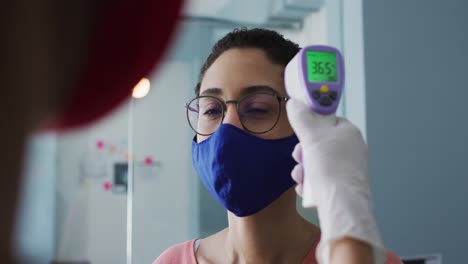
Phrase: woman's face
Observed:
(233, 73)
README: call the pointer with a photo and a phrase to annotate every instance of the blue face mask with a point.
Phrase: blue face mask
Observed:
(243, 172)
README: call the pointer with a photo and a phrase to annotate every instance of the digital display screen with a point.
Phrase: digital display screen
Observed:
(321, 66)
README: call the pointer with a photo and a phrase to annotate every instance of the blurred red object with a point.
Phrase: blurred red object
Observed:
(130, 37)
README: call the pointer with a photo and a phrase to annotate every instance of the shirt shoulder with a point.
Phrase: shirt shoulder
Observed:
(180, 253)
(392, 258)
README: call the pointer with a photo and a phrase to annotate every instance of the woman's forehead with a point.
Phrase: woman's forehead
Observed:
(237, 69)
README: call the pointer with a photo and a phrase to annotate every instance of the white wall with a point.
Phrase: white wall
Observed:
(314, 30)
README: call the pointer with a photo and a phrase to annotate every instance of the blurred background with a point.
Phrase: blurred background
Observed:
(406, 89)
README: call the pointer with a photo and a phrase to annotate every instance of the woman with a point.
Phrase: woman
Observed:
(242, 153)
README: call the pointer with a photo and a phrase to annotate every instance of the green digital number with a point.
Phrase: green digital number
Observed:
(321, 66)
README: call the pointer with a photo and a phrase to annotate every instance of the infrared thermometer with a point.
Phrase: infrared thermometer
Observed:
(315, 76)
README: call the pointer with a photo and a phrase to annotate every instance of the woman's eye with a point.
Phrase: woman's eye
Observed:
(212, 111)
(257, 109)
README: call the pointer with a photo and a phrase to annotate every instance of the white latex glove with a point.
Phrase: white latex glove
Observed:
(332, 175)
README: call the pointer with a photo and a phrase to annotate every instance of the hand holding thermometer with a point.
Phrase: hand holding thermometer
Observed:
(315, 76)
(332, 170)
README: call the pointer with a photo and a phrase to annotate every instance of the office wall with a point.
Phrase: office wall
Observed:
(416, 60)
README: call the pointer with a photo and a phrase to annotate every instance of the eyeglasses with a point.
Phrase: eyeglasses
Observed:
(258, 112)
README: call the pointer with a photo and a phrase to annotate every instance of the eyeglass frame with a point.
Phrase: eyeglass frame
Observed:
(236, 102)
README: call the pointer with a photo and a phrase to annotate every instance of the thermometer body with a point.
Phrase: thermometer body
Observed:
(316, 77)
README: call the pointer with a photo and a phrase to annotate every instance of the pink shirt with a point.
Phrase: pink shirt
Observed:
(185, 253)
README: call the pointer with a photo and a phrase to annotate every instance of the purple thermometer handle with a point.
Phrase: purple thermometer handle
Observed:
(325, 103)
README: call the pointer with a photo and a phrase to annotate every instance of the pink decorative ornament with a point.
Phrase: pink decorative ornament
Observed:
(107, 186)
(100, 144)
(149, 161)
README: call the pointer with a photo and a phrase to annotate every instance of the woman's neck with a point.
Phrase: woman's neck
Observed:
(277, 234)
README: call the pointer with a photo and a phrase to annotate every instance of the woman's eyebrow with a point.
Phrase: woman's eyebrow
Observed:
(212, 91)
(246, 90)
(258, 88)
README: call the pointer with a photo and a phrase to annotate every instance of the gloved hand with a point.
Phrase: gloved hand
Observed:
(332, 175)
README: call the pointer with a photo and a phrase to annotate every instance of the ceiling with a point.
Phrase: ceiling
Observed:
(252, 11)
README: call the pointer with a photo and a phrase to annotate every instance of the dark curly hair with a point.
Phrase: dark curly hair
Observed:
(276, 48)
